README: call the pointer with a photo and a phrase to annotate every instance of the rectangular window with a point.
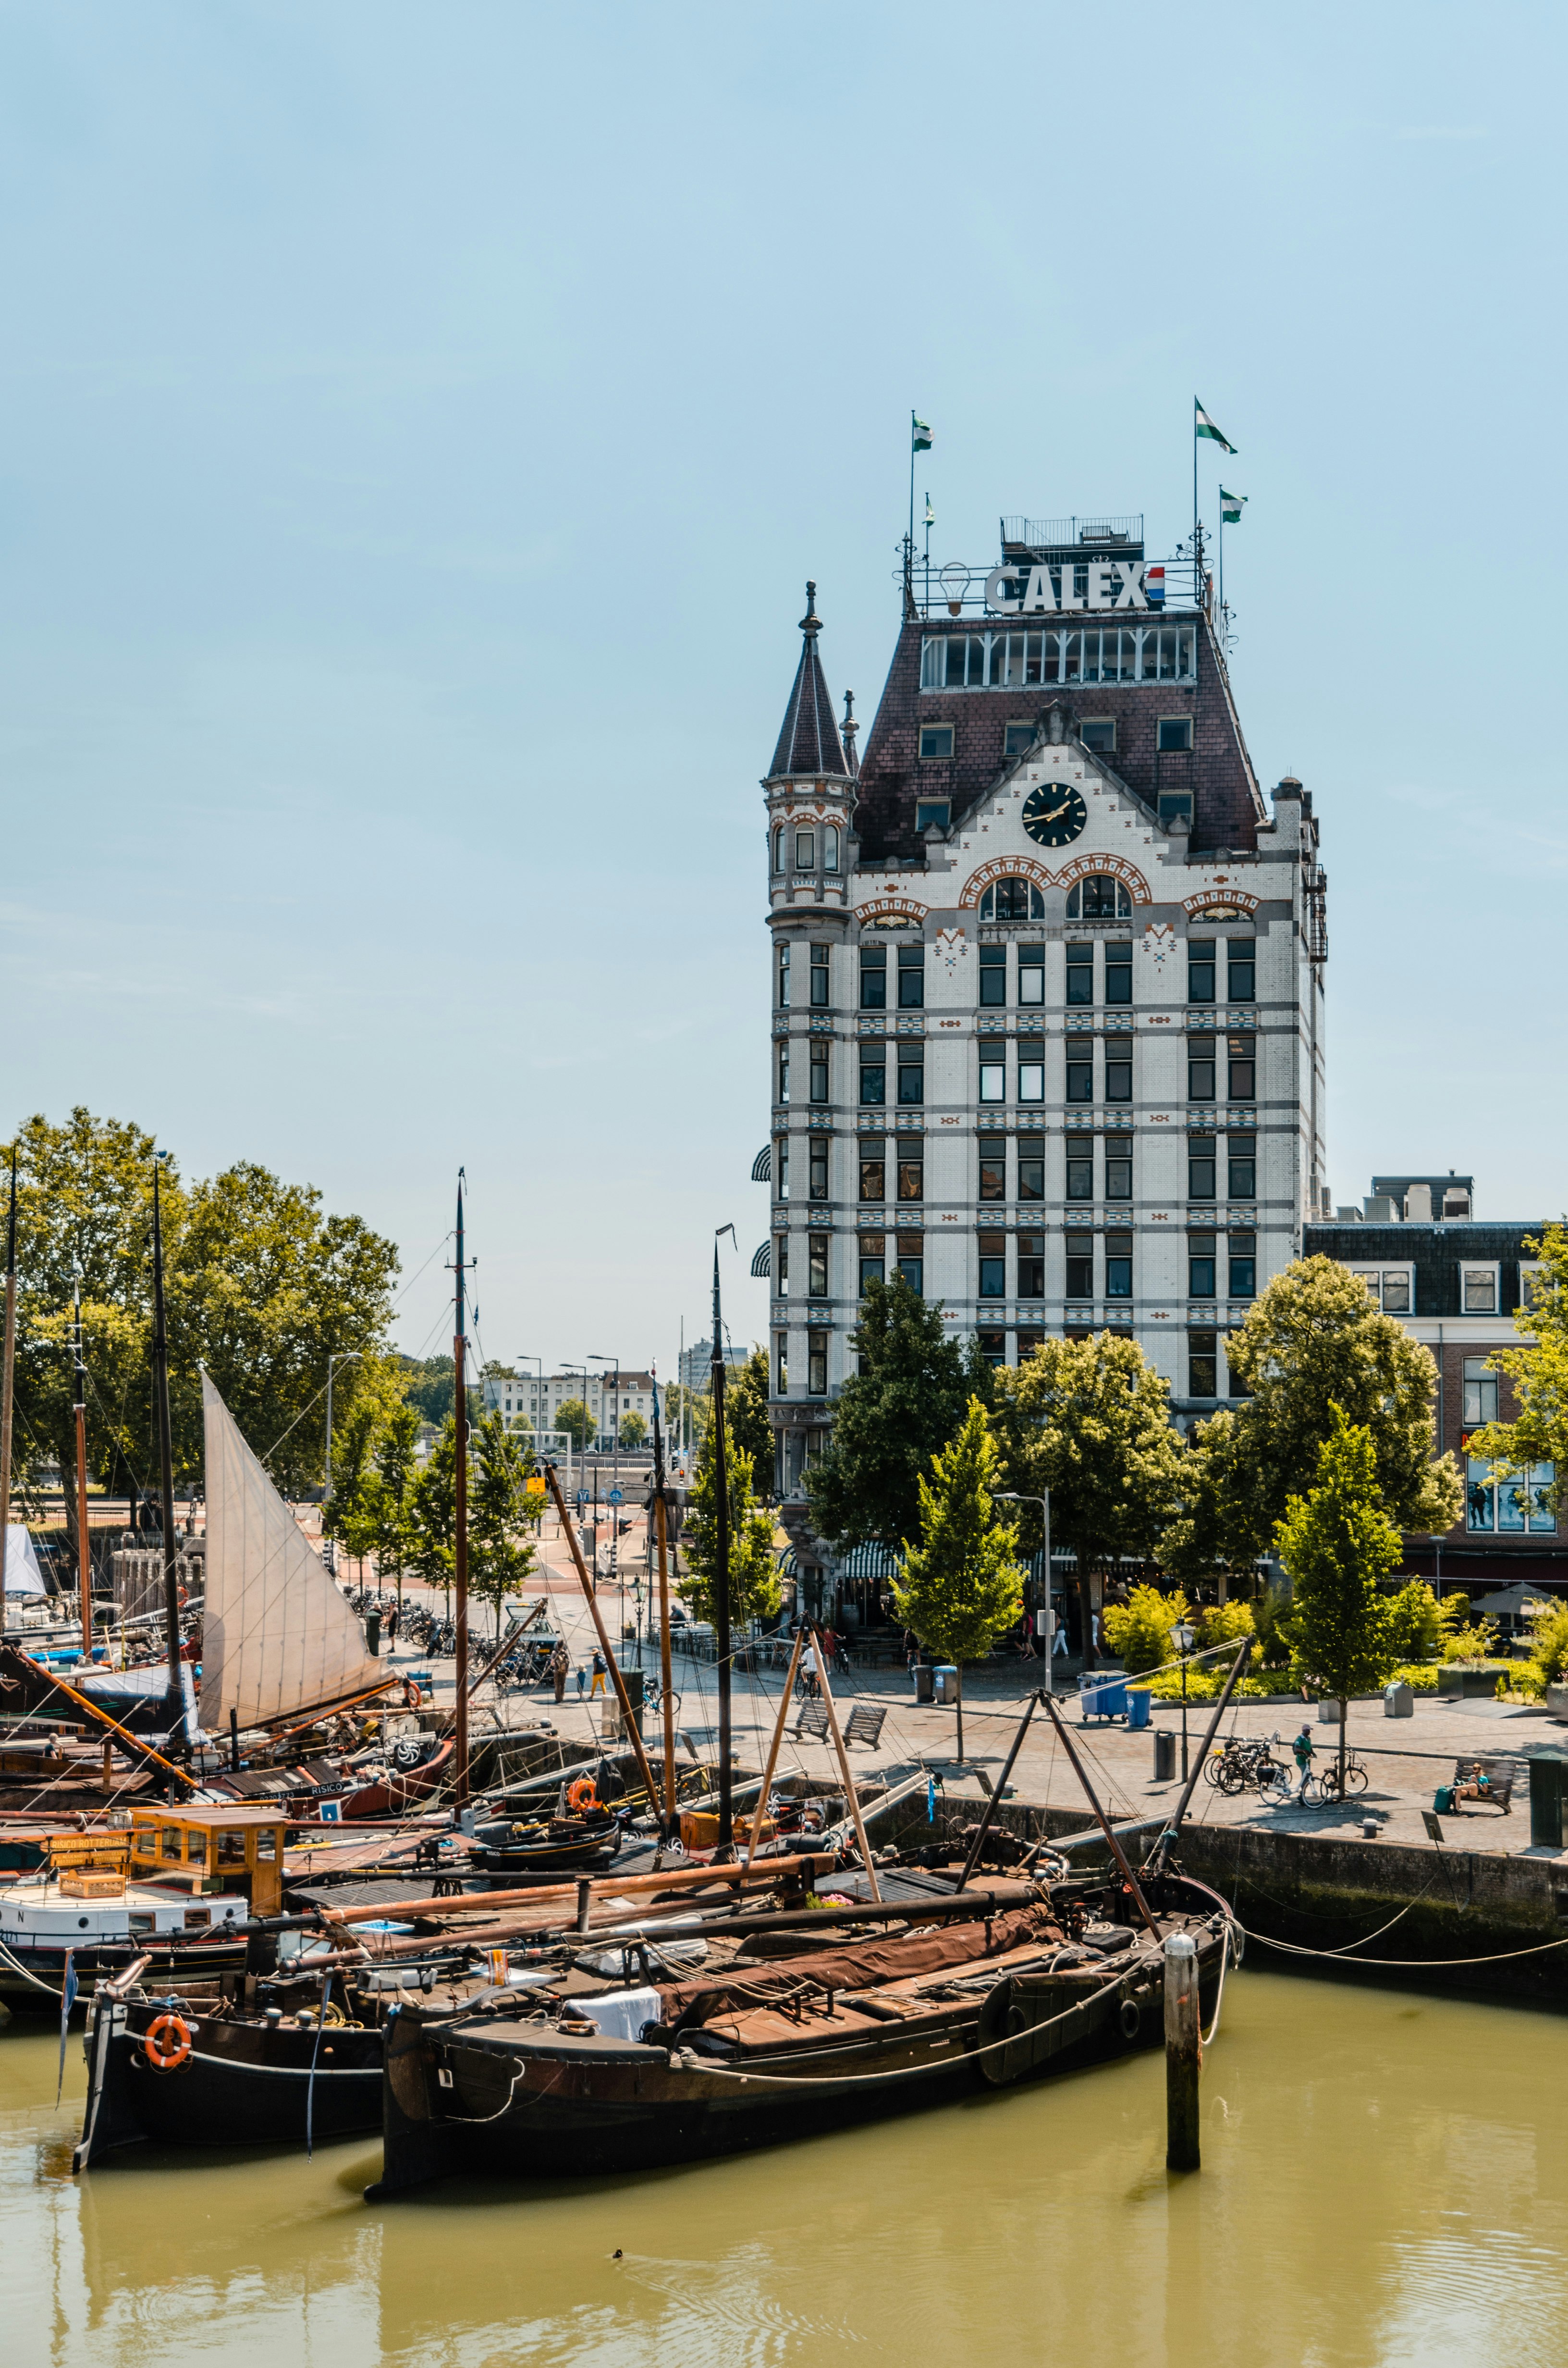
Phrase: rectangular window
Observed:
(994, 1266)
(873, 1073)
(911, 1074)
(1017, 739)
(910, 978)
(782, 1167)
(873, 1252)
(1118, 1265)
(932, 813)
(1242, 1085)
(781, 1266)
(816, 1280)
(819, 1073)
(1176, 734)
(784, 975)
(873, 1172)
(1099, 733)
(1117, 1072)
(1081, 1070)
(1242, 1178)
(1478, 1295)
(1029, 1342)
(910, 1262)
(1031, 1167)
(1235, 1385)
(1118, 973)
(993, 1167)
(992, 976)
(1202, 1365)
(1031, 1068)
(1080, 1266)
(1241, 969)
(912, 1174)
(818, 978)
(1200, 1266)
(1480, 1392)
(1396, 1291)
(1080, 975)
(1031, 1266)
(817, 1364)
(1031, 975)
(993, 1348)
(1200, 1178)
(805, 850)
(936, 740)
(1081, 1168)
(1173, 807)
(1201, 969)
(784, 1071)
(1243, 1265)
(1117, 1170)
(1511, 1508)
(873, 978)
(1200, 1068)
(992, 1079)
(819, 1168)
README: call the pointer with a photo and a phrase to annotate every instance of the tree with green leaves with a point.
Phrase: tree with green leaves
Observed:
(349, 1512)
(1088, 1420)
(962, 1585)
(1538, 1369)
(392, 1496)
(498, 1559)
(432, 1512)
(747, 1418)
(633, 1429)
(1337, 1543)
(684, 1407)
(888, 1419)
(754, 1591)
(573, 1417)
(1314, 1340)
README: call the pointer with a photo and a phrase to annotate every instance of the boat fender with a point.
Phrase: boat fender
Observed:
(1131, 2019)
(582, 1795)
(167, 2042)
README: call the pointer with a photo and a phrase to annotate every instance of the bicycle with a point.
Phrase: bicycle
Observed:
(1246, 1761)
(1328, 1783)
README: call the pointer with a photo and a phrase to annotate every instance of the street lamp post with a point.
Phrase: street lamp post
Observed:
(1013, 1497)
(593, 1359)
(1183, 1639)
(582, 1452)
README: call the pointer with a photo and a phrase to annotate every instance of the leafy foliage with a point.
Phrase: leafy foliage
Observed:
(1337, 1543)
(633, 1429)
(1139, 1630)
(755, 1592)
(1539, 1370)
(573, 1417)
(1549, 1641)
(890, 1418)
(1476, 1642)
(1419, 1621)
(498, 1559)
(433, 1510)
(747, 1418)
(962, 1585)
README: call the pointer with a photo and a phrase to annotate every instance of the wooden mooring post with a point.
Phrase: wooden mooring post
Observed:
(1184, 2053)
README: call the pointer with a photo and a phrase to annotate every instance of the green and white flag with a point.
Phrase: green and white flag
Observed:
(1231, 508)
(921, 435)
(1203, 426)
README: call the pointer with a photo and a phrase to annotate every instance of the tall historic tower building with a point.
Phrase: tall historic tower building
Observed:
(1047, 982)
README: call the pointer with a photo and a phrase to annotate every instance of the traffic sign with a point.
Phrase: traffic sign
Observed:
(582, 1496)
(618, 1497)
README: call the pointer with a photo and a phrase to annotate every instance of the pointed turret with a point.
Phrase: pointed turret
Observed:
(809, 741)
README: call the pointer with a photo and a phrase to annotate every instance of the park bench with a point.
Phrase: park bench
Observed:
(1501, 1775)
(812, 1720)
(865, 1725)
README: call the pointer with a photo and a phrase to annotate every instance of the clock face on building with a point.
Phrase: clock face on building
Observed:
(1055, 815)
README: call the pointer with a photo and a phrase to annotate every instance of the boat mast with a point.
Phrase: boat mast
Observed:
(459, 1543)
(7, 1376)
(724, 1847)
(165, 1464)
(83, 1555)
(661, 1530)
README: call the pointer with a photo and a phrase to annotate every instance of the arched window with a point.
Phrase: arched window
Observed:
(805, 850)
(830, 848)
(1012, 900)
(1098, 898)
(779, 850)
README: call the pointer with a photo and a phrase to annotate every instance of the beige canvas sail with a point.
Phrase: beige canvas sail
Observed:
(277, 1635)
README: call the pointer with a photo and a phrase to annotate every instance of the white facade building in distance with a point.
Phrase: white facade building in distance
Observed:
(1047, 977)
(527, 1403)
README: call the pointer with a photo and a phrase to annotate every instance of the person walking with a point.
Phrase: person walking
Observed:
(582, 1679)
(601, 1671)
(1302, 1751)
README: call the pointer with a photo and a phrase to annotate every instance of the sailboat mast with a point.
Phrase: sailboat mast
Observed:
(84, 1554)
(8, 1375)
(165, 1464)
(661, 1531)
(724, 1845)
(459, 1546)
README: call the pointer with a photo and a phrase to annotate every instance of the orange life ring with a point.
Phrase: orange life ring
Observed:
(411, 1697)
(167, 2059)
(582, 1795)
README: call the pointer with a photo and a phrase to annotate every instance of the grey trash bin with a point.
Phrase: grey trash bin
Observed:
(924, 1682)
(1399, 1700)
(947, 1679)
(1164, 1755)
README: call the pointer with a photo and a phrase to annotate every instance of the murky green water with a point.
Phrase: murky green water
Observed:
(1385, 2180)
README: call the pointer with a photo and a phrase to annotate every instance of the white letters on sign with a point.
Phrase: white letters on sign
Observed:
(1109, 584)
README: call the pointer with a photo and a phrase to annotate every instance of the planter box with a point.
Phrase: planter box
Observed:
(1469, 1685)
(1556, 1701)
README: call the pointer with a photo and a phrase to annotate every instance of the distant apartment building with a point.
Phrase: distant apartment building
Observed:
(697, 1362)
(528, 1403)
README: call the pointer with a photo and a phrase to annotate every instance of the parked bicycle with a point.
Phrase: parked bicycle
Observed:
(1323, 1791)
(1246, 1761)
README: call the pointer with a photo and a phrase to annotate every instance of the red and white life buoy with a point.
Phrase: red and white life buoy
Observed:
(170, 2057)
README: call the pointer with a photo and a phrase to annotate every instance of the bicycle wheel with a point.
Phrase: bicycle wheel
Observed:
(1355, 1777)
(1214, 1766)
(1230, 1780)
(1274, 1781)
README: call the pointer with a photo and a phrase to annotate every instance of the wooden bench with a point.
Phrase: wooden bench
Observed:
(812, 1720)
(865, 1725)
(1501, 1775)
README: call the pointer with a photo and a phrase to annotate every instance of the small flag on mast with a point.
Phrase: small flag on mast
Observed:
(921, 435)
(1203, 426)
(1231, 508)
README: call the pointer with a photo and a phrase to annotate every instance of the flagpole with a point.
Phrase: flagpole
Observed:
(1197, 587)
(910, 545)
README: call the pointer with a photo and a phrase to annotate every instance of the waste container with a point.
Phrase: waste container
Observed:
(373, 1634)
(1164, 1754)
(947, 1679)
(1140, 1703)
(1399, 1700)
(1102, 1696)
(1549, 1784)
(633, 1680)
(924, 1682)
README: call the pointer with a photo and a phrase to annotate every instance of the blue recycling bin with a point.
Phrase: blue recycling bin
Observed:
(947, 1677)
(1101, 1697)
(1140, 1703)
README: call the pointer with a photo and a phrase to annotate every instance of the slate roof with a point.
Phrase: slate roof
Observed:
(809, 741)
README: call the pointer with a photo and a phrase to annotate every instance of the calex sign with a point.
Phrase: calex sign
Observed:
(1107, 583)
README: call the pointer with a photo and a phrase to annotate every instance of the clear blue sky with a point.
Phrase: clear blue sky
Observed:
(419, 423)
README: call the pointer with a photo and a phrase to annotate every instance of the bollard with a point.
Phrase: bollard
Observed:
(1183, 2052)
(584, 1901)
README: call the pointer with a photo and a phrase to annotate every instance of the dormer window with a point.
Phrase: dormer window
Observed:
(1098, 898)
(1099, 733)
(932, 813)
(935, 741)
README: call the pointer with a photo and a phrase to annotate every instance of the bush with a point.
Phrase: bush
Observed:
(1139, 1630)
(1205, 1686)
(1270, 1618)
(1219, 1623)
(1421, 1677)
(1549, 1642)
(1474, 1643)
(1420, 1623)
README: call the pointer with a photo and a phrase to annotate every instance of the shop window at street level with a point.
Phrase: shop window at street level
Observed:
(1099, 733)
(912, 1176)
(1118, 1265)
(1117, 1170)
(1241, 1182)
(1118, 973)
(993, 1167)
(818, 978)
(1200, 1167)
(805, 850)
(1031, 975)
(994, 1266)
(1081, 1071)
(873, 978)
(817, 1364)
(816, 1279)
(1200, 1068)
(992, 976)
(1012, 900)
(935, 741)
(910, 977)
(910, 1262)
(1031, 1068)
(1201, 969)
(873, 1074)
(873, 1252)
(993, 1081)
(819, 1168)
(1202, 1365)
(1480, 1392)
(1200, 1266)
(911, 1074)
(1243, 1265)
(784, 974)
(1478, 1293)
(1080, 975)
(1031, 1266)
(1241, 1068)
(1080, 1266)
(1117, 1072)
(1081, 1168)
(1176, 734)
(873, 1173)
(1241, 969)
(1509, 1508)
(1031, 1167)
(1100, 897)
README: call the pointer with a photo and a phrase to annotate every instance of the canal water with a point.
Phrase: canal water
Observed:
(1385, 2180)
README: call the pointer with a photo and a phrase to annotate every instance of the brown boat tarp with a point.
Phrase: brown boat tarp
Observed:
(862, 1966)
